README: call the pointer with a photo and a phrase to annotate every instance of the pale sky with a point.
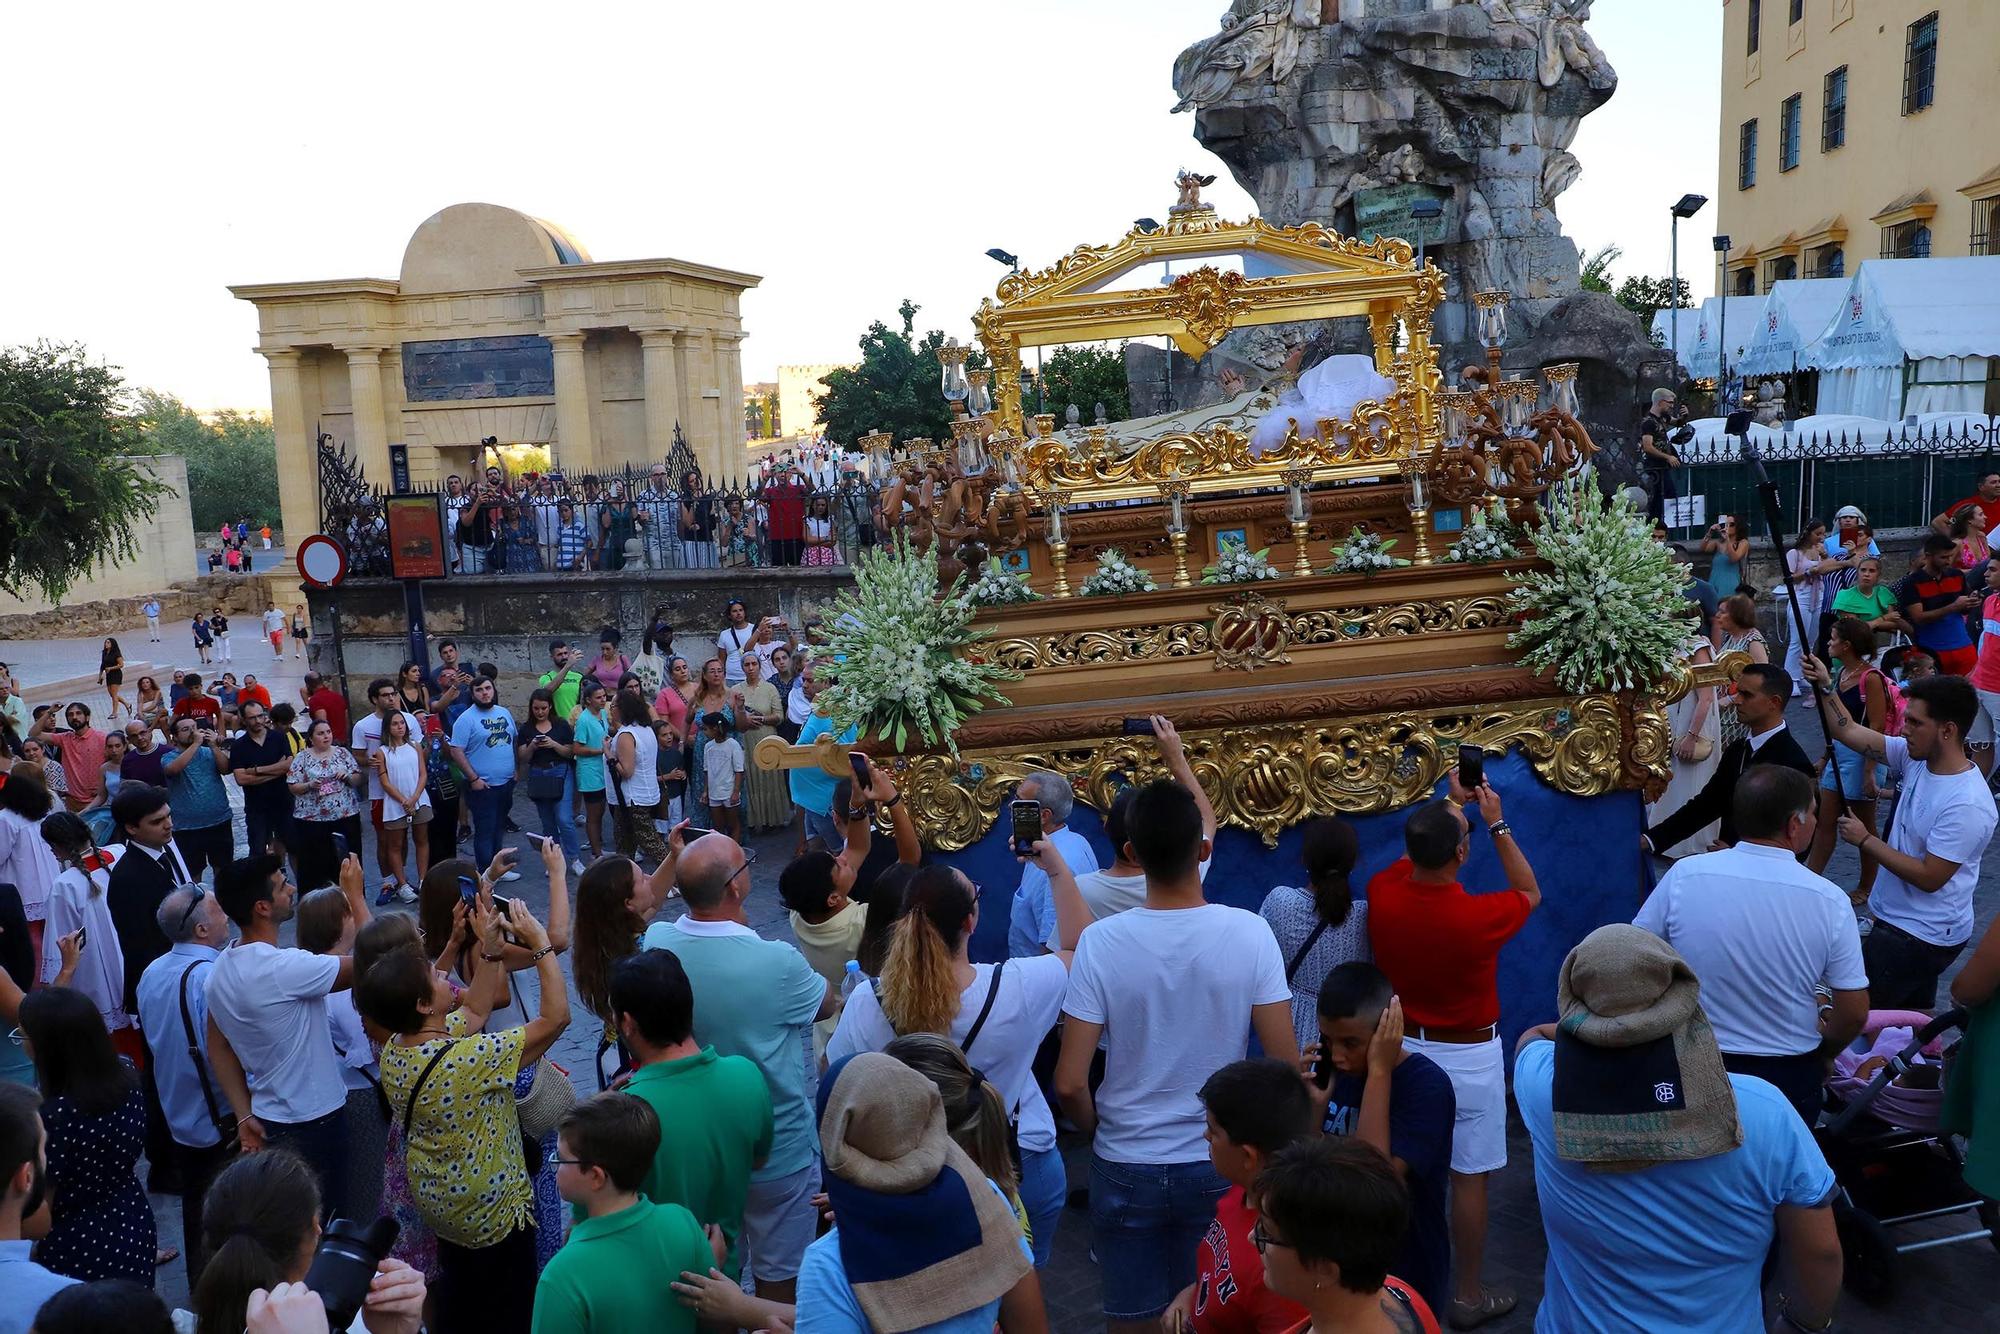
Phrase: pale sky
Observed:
(852, 152)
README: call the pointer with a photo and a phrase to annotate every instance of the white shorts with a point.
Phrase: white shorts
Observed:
(1478, 1076)
(1984, 725)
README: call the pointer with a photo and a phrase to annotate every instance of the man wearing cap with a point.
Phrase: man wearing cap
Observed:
(1766, 934)
(1662, 1177)
(1440, 947)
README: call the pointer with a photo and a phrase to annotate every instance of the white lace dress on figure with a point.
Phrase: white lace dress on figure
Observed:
(1330, 389)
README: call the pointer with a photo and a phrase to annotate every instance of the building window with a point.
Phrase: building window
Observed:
(1744, 281)
(1746, 155)
(1986, 226)
(1920, 65)
(1756, 22)
(1798, 14)
(1828, 262)
(1907, 240)
(1788, 133)
(1779, 269)
(1833, 117)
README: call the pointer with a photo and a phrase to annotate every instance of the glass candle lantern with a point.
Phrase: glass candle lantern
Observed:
(1492, 307)
(1055, 529)
(979, 393)
(1561, 382)
(1298, 504)
(1455, 408)
(951, 366)
(1517, 404)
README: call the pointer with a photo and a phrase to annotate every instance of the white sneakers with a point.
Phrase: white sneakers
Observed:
(511, 875)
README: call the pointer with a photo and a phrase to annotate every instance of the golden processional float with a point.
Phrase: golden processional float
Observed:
(1306, 695)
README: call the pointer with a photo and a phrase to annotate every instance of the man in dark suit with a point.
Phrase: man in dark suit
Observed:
(147, 873)
(1762, 690)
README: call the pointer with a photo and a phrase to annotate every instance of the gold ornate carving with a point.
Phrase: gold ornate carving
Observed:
(1251, 632)
(1266, 778)
(1126, 643)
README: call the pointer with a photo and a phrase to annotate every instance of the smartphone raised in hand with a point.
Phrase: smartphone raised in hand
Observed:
(339, 847)
(858, 761)
(1471, 768)
(1026, 820)
(1136, 727)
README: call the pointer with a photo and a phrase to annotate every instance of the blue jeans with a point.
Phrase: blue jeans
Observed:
(489, 819)
(1044, 1192)
(559, 822)
(1146, 1219)
(827, 830)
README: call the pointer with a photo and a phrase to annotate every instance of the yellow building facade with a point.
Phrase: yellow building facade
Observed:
(1852, 130)
(501, 327)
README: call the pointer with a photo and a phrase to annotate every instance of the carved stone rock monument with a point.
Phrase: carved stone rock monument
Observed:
(1349, 112)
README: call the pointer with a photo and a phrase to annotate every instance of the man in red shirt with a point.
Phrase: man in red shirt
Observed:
(1440, 947)
(197, 703)
(81, 750)
(252, 693)
(1987, 497)
(323, 701)
(785, 504)
(1255, 1108)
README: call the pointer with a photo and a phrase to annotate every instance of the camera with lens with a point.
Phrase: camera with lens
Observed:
(344, 1265)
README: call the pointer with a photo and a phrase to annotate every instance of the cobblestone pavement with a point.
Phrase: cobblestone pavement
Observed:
(1948, 1288)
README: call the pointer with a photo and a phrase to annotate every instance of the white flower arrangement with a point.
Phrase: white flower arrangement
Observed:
(1115, 577)
(1364, 553)
(1609, 613)
(998, 586)
(899, 649)
(1238, 565)
(1484, 542)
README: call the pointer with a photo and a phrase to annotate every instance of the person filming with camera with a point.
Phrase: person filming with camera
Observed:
(1662, 430)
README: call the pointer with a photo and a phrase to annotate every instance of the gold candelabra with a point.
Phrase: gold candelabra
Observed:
(1416, 480)
(1298, 508)
(1056, 533)
(1175, 492)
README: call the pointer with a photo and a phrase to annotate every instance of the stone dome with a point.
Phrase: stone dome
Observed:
(476, 247)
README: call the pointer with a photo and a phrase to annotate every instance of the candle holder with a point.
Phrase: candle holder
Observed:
(875, 445)
(1417, 496)
(1045, 425)
(951, 366)
(1055, 531)
(1298, 508)
(1492, 310)
(980, 398)
(1175, 490)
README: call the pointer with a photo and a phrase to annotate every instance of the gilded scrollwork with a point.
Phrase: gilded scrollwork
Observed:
(1268, 778)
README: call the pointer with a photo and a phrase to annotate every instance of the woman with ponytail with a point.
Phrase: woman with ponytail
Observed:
(260, 1225)
(997, 1014)
(1320, 926)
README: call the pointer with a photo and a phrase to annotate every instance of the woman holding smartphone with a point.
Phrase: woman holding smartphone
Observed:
(406, 803)
(325, 781)
(542, 746)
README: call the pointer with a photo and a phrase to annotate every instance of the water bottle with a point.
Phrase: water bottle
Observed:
(852, 979)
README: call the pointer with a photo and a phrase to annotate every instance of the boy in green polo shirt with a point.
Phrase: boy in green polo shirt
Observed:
(719, 1106)
(617, 1269)
(563, 682)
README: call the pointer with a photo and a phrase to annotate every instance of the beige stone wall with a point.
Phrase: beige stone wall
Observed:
(797, 385)
(163, 549)
(1887, 155)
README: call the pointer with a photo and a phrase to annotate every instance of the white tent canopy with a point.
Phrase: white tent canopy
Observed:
(1796, 311)
(1910, 336)
(1732, 317)
(1687, 317)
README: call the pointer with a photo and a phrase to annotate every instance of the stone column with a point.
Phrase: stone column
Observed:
(714, 415)
(729, 375)
(371, 428)
(663, 393)
(579, 446)
(298, 468)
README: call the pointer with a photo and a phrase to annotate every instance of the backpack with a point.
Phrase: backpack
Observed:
(1893, 698)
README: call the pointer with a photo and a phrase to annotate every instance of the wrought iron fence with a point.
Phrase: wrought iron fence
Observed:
(1901, 480)
(616, 519)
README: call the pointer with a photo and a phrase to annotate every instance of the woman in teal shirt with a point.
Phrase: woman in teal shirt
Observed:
(587, 746)
(1731, 548)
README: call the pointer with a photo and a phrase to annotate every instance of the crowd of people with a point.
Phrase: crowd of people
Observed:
(1290, 1118)
(232, 547)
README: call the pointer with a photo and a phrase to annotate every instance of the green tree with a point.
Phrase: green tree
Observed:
(1597, 268)
(1644, 296)
(232, 460)
(70, 497)
(894, 389)
(1086, 376)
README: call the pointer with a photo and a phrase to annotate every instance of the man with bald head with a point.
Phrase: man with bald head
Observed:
(173, 1012)
(145, 758)
(757, 999)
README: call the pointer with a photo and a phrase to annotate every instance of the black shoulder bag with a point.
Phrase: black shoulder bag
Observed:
(224, 1126)
(971, 1036)
(1319, 929)
(416, 1090)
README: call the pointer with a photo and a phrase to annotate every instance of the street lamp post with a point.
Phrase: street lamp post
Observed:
(1722, 331)
(1424, 210)
(1686, 207)
(1013, 263)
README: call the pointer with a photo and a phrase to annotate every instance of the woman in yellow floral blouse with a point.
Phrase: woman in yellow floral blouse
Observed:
(451, 1086)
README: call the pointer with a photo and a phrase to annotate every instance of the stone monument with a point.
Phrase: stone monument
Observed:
(1352, 112)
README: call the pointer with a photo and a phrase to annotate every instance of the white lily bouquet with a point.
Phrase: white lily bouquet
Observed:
(1485, 541)
(998, 586)
(1115, 576)
(1238, 565)
(1609, 613)
(902, 668)
(1364, 553)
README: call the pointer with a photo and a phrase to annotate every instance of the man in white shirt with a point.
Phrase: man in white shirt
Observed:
(173, 1011)
(1032, 918)
(1764, 935)
(1930, 859)
(1173, 989)
(24, 1192)
(385, 700)
(268, 1037)
(736, 637)
(1122, 885)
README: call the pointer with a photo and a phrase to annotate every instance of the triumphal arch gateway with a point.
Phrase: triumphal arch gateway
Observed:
(501, 327)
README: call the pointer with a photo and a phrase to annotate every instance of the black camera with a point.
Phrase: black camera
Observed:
(1682, 435)
(344, 1264)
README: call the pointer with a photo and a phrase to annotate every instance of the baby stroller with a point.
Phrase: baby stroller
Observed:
(1891, 1165)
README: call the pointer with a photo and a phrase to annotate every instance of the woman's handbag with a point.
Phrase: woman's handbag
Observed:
(1699, 748)
(548, 1097)
(547, 782)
